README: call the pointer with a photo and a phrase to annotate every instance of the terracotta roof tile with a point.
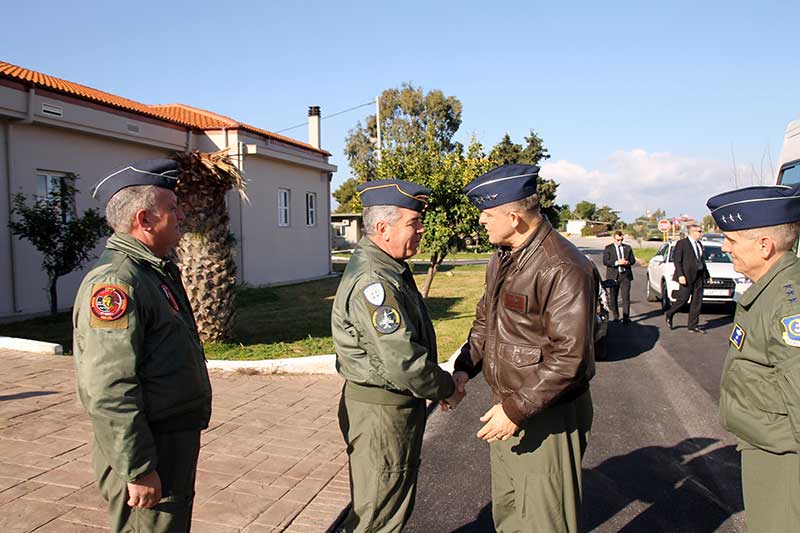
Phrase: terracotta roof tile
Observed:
(176, 113)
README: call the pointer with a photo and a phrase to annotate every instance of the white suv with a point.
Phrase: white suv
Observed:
(725, 286)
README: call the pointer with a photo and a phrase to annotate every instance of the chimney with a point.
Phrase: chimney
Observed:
(314, 132)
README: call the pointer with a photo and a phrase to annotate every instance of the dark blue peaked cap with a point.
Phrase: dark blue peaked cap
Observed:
(504, 184)
(755, 207)
(159, 172)
(394, 192)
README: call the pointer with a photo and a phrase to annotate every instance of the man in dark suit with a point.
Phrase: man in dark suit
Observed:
(618, 259)
(690, 273)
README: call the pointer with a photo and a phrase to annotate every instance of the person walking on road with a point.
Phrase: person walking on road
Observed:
(140, 368)
(760, 389)
(533, 338)
(690, 273)
(386, 352)
(619, 260)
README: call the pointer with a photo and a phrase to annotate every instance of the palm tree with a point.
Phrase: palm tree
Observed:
(205, 253)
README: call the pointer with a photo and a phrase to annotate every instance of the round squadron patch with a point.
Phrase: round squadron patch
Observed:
(374, 293)
(386, 319)
(109, 302)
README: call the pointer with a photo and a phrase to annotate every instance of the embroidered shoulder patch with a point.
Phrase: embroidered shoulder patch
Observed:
(791, 325)
(108, 305)
(737, 336)
(385, 319)
(515, 302)
(374, 293)
(170, 298)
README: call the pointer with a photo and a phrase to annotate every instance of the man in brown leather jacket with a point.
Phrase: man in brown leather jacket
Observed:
(533, 339)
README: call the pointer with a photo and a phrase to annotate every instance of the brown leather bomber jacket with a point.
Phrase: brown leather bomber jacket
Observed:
(533, 335)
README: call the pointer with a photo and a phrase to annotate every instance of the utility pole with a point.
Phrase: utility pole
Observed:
(378, 122)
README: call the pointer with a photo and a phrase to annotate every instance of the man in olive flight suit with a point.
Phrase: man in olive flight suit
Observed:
(141, 371)
(386, 351)
(760, 390)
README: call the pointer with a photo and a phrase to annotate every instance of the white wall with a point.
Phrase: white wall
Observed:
(37, 147)
(271, 253)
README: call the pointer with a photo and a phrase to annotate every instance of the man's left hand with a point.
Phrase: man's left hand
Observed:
(498, 426)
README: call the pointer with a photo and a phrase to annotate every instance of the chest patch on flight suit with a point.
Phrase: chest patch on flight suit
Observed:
(515, 302)
(385, 319)
(737, 336)
(375, 294)
(792, 326)
(108, 305)
(170, 298)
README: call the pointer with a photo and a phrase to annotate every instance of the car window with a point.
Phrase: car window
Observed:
(671, 250)
(661, 250)
(713, 254)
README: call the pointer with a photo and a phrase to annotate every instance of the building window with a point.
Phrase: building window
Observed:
(340, 230)
(49, 183)
(311, 209)
(283, 207)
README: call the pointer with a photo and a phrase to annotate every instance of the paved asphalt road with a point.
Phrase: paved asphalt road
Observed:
(657, 460)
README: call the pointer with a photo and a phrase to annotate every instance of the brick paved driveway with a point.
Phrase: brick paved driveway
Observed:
(272, 459)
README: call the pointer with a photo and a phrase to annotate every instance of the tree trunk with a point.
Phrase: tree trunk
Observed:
(53, 296)
(433, 268)
(205, 253)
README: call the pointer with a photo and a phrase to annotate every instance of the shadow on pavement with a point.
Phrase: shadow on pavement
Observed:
(718, 322)
(626, 341)
(677, 484)
(22, 395)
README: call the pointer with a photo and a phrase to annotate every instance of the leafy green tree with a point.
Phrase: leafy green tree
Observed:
(709, 224)
(607, 215)
(585, 210)
(347, 197)
(409, 118)
(506, 152)
(50, 224)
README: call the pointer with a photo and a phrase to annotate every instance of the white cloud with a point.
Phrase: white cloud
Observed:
(633, 181)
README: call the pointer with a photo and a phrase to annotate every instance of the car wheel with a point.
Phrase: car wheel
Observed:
(665, 301)
(651, 294)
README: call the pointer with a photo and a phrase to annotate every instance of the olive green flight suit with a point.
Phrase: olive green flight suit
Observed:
(386, 351)
(142, 378)
(760, 397)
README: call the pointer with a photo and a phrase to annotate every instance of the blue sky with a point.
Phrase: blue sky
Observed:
(641, 106)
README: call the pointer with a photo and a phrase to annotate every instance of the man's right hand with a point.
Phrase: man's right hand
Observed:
(682, 280)
(145, 492)
(460, 379)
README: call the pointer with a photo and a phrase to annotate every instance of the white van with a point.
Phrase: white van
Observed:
(789, 162)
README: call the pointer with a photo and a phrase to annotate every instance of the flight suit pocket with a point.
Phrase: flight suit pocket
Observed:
(541, 501)
(788, 381)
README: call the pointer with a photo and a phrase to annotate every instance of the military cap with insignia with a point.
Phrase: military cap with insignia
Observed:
(394, 192)
(755, 207)
(501, 185)
(159, 172)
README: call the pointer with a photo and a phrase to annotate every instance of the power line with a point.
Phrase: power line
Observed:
(327, 116)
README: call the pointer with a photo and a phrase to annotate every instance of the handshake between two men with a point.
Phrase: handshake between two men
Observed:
(497, 425)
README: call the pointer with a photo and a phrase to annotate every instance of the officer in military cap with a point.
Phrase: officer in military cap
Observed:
(386, 352)
(533, 338)
(760, 390)
(141, 371)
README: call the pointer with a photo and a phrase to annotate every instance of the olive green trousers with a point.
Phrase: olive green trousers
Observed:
(771, 490)
(384, 443)
(177, 467)
(536, 474)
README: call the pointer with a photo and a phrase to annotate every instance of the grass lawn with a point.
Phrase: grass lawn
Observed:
(644, 254)
(294, 320)
(427, 257)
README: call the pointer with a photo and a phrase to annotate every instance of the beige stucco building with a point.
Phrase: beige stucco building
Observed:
(50, 127)
(346, 230)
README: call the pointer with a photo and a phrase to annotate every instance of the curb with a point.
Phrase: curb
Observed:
(28, 345)
(312, 364)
